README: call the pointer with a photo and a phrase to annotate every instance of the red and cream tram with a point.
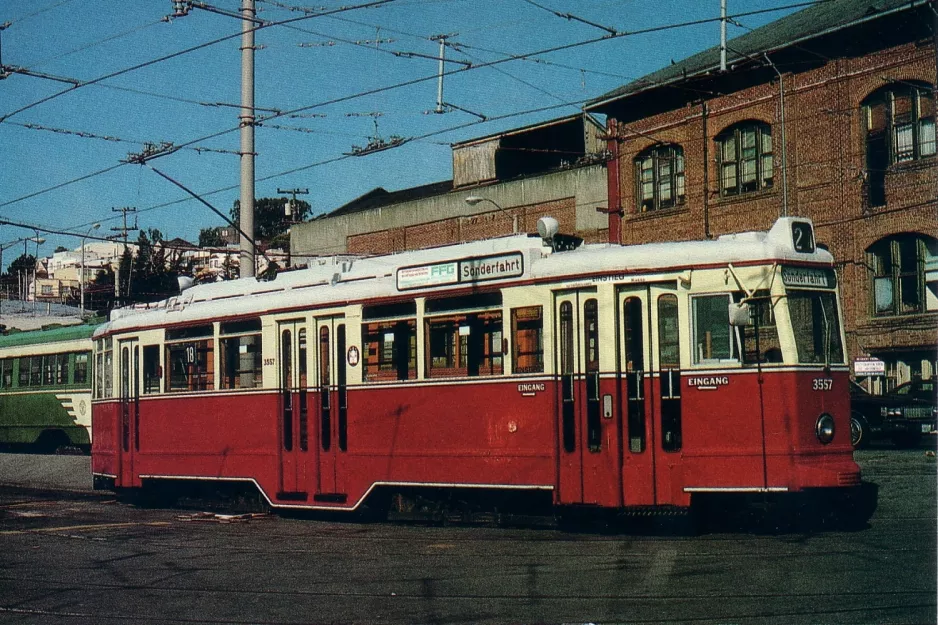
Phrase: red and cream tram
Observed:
(601, 375)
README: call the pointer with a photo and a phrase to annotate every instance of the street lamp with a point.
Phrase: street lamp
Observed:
(472, 200)
(81, 278)
(39, 241)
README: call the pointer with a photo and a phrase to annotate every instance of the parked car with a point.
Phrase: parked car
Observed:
(903, 415)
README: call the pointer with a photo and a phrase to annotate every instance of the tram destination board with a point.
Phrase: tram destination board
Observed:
(463, 271)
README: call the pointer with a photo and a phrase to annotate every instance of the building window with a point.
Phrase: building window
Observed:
(899, 122)
(904, 276)
(745, 158)
(659, 178)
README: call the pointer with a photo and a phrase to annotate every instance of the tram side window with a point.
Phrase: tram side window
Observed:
(24, 371)
(390, 350)
(151, 369)
(758, 342)
(468, 343)
(35, 371)
(241, 354)
(81, 368)
(104, 374)
(6, 373)
(669, 358)
(527, 339)
(54, 369)
(712, 328)
(190, 362)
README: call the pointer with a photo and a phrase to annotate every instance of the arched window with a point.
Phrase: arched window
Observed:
(745, 158)
(899, 126)
(659, 178)
(904, 274)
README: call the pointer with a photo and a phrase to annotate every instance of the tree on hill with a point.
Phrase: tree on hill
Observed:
(269, 217)
(211, 237)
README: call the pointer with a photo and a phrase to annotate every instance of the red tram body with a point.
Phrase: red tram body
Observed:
(600, 375)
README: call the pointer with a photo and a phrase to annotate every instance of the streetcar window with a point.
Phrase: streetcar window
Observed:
(816, 326)
(6, 373)
(24, 371)
(54, 369)
(80, 375)
(390, 350)
(567, 371)
(465, 345)
(475, 301)
(468, 343)
(669, 353)
(35, 371)
(669, 360)
(634, 369)
(759, 340)
(190, 365)
(527, 339)
(385, 311)
(191, 332)
(712, 328)
(241, 354)
(151, 369)
(104, 374)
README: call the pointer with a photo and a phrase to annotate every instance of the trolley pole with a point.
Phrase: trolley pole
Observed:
(246, 121)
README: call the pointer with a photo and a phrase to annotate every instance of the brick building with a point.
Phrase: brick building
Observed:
(501, 182)
(698, 151)
(694, 151)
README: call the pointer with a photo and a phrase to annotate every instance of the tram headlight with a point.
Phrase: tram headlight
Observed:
(824, 429)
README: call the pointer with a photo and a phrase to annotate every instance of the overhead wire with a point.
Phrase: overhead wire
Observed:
(179, 53)
(418, 80)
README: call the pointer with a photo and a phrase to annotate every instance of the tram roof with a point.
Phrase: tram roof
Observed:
(47, 335)
(337, 281)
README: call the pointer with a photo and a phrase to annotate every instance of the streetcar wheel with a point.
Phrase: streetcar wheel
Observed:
(857, 431)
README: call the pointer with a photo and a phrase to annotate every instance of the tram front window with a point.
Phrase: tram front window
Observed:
(816, 326)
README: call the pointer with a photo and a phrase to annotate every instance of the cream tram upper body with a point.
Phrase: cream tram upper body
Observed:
(748, 259)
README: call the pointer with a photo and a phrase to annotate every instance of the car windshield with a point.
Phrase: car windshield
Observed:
(924, 389)
(816, 326)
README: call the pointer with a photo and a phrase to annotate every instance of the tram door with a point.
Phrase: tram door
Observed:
(294, 416)
(649, 381)
(587, 430)
(128, 431)
(332, 407)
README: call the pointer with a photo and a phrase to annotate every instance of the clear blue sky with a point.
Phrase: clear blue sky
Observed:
(169, 100)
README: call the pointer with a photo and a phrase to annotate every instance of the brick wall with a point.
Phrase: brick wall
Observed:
(826, 180)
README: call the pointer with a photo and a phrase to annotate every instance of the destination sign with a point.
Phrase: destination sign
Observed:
(465, 271)
(817, 277)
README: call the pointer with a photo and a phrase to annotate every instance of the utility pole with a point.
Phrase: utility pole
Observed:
(291, 207)
(289, 213)
(246, 120)
(122, 232)
(722, 35)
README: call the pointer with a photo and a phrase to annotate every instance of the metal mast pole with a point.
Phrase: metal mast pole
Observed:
(246, 120)
(722, 35)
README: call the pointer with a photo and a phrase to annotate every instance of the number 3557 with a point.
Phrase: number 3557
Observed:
(823, 384)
